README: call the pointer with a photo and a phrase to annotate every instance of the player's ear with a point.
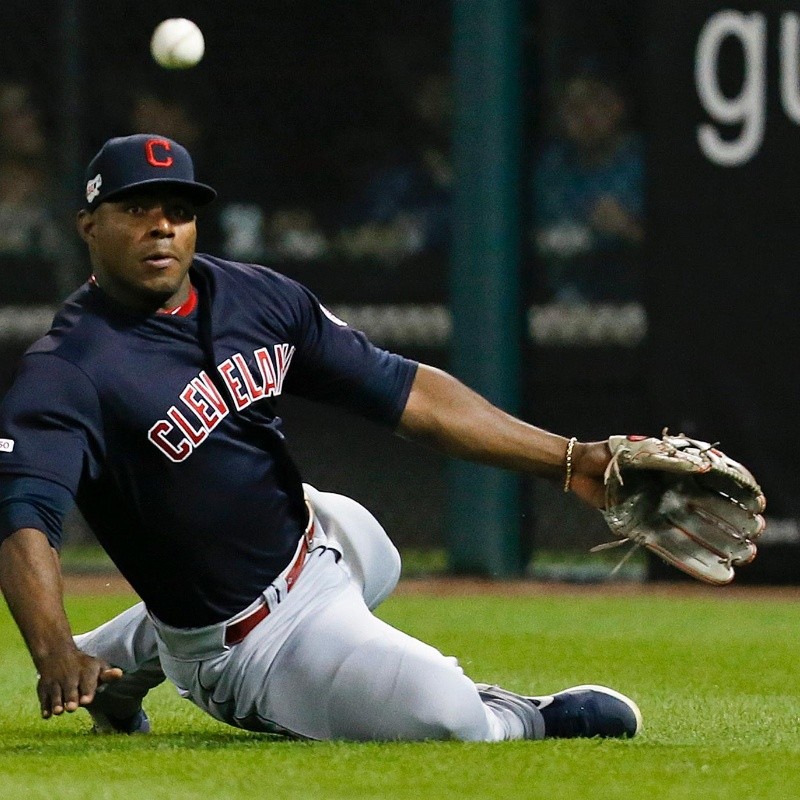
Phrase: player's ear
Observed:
(85, 223)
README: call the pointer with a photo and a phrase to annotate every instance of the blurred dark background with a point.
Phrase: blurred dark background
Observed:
(327, 129)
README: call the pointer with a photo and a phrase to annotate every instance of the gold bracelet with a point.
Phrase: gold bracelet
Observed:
(568, 460)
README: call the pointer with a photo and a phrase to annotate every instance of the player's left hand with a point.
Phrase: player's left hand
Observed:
(686, 501)
(70, 679)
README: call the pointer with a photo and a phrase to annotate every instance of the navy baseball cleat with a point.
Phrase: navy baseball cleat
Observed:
(586, 711)
(582, 711)
(105, 723)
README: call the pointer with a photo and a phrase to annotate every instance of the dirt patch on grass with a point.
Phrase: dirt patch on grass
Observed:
(444, 586)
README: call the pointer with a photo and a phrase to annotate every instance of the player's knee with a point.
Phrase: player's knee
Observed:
(127, 640)
(373, 561)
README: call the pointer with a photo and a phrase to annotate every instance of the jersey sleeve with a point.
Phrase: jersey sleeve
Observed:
(337, 364)
(50, 423)
(33, 503)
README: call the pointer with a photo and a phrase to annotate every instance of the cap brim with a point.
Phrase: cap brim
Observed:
(199, 193)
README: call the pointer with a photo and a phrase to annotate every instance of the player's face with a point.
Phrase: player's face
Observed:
(141, 248)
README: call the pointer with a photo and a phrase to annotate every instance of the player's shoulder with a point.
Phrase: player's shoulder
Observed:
(81, 333)
(72, 320)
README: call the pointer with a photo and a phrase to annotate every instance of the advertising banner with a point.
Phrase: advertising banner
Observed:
(723, 123)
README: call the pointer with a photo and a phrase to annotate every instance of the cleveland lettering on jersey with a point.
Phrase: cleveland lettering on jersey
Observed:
(202, 407)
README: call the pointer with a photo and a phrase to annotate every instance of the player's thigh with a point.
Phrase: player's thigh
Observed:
(344, 674)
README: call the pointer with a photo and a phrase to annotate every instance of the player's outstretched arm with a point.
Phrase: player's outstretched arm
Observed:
(30, 578)
(445, 414)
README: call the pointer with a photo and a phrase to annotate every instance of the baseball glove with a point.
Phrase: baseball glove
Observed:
(685, 501)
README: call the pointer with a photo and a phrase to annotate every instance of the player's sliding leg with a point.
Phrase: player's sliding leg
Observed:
(322, 666)
(377, 683)
(374, 564)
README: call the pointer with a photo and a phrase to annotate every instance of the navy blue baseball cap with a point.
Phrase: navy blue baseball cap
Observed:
(141, 161)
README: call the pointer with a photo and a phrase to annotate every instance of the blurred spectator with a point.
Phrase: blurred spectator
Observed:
(243, 229)
(588, 196)
(403, 208)
(293, 233)
(287, 234)
(151, 112)
(29, 234)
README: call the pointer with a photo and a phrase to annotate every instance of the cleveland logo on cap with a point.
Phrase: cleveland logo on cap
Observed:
(153, 158)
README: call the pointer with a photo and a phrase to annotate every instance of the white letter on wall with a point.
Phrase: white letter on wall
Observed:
(748, 108)
(790, 92)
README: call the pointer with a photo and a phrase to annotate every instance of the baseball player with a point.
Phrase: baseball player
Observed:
(151, 403)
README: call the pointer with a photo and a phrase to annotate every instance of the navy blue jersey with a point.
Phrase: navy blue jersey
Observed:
(164, 429)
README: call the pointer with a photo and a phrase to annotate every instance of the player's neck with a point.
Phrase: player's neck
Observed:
(182, 302)
(183, 309)
(180, 299)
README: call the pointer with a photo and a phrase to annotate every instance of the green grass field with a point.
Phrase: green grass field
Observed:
(715, 676)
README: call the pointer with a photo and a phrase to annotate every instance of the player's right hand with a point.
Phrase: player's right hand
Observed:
(70, 679)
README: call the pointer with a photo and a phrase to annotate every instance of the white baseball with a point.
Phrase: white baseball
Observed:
(177, 43)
